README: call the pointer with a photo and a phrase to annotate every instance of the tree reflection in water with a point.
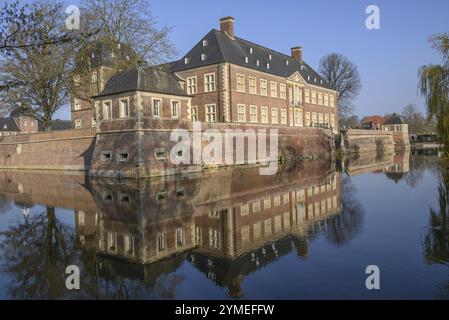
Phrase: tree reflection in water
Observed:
(436, 241)
(343, 227)
(37, 252)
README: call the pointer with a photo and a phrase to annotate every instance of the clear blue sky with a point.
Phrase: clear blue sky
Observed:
(388, 59)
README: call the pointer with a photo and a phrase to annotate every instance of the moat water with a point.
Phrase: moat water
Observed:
(308, 232)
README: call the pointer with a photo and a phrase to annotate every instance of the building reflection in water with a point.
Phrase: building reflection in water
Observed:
(227, 223)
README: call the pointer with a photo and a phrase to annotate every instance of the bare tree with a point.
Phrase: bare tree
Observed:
(343, 76)
(39, 73)
(131, 23)
(416, 121)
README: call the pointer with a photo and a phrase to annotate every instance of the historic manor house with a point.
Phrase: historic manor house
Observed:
(223, 78)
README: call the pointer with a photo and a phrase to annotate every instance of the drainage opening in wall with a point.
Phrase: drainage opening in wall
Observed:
(122, 156)
(106, 156)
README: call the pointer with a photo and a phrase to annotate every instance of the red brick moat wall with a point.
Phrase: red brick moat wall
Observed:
(140, 145)
(82, 150)
(56, 150)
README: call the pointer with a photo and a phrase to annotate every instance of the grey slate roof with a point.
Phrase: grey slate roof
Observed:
(221, 48)
(143, 78)
(8, 124)
(394, 119)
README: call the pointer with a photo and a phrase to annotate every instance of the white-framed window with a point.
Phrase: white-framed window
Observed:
(211, 112)
(314, 120)
(160, 242)
(277, 200)
(203, 56)
(274, 115)
(307, 96)
(157, 104)
(179, 237)
(240, 82)
(267, 203)
(264, 114)
(326, 100)
(245, 233)
(320, 118)
(274, 89)
(257, 230)
(175, 109)
(256, 206)
(296, 117)
(191, 85)
(241, 112)
(284, 116)
(78, 124)
(331, 101)
(94, 122)
(263, 87)
(209, 82)
(94, 77)
(313, 97)
(320, 99)
(244, 209)
(267, 227)
(124, 108)
(283, 91)
(194, 113)
(307, 119)
(253, 114)
(252, 85)
(107, 110)
(297, 94)
(326, 118)
(77, 104)
(332, 121)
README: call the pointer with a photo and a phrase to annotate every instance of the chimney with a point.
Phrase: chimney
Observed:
(227, 25)
(297, 53)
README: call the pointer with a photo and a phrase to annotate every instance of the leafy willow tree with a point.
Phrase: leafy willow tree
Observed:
(434, 86)
(343, 76)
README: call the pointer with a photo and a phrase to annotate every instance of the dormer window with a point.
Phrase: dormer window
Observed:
(321, 81)
(315, 79)
(186, 60)
(286, 62)
(308, 78)
(203, 56)
(269, 57)
(302, 67)
(246, 59)
(268, 66)
(204, 43)
(251, 50)
(257, 62)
